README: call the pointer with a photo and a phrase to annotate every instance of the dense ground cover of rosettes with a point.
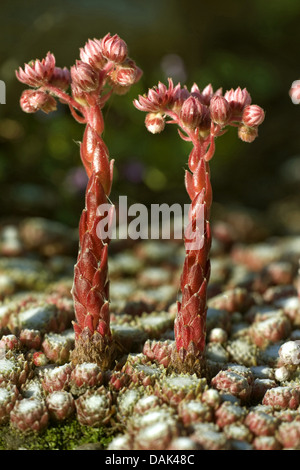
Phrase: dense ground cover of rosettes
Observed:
(248, 399)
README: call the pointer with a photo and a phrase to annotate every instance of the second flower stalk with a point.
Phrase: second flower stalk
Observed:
(201, 117)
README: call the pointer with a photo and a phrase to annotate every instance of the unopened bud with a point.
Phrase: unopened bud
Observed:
(219, 110)
(253, 115)
(32, 101)
(61, 78)
(154, 122)
(84, 77)
(247, 134)
(237, 100)
(37, 72)
(179, 96)
(207, 94)
(191, 112)
(114, 48)
(124, 76)
(91, 54)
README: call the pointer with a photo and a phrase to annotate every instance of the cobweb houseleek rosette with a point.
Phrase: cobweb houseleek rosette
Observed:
(104, 68)
(201, 116)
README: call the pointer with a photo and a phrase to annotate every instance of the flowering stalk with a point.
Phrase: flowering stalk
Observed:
(201, 117)
(104, 68)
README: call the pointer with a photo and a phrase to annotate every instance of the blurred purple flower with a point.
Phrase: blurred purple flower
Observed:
(76, 180)
(133, 171)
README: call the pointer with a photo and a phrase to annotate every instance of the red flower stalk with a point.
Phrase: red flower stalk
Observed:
(201, 117)
(104, 68)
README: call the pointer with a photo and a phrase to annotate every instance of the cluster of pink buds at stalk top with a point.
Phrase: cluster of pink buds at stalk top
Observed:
(201, 116)
(104, 68)
(206, 110)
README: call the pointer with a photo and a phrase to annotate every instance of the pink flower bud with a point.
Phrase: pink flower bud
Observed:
(253, 115)
(247, 134)
(207, 94)
(114, 48)
(154, 122)
(32, 101)
(237, 99)
(61, 78)
(295, 92)
(157, 99)
(195, 91)
(179, 96)
(84, 77)
(91, 54)
(191, 112)
(37, 73)
(124, 75)
(219, 110)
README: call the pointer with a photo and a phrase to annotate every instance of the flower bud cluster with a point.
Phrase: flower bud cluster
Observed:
(102, 61)
(107, 58)
(205, 110)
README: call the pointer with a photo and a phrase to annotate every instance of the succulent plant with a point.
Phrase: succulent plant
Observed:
(282, 397)
(159, 351)
(262, 424)
(10, 342)
(156, 436)
(94, 407)
(14, 369)
(8, 396)
(84, 376)
(155, 428)
(61, 405)
(173, 388)
(29, 414)
(55, 379)
(32, 389)
(289, 435)
(232, 382)
(126, 401)
(31, 339)
(121, 442)
(209, 437)
(57, 347)
(146, 403)
(229, 413)
(142, 372)
(193, 411)
(266, 443)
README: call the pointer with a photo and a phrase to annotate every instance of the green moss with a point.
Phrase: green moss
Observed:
(56, 437)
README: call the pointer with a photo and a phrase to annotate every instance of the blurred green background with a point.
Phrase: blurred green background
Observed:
(227, 43)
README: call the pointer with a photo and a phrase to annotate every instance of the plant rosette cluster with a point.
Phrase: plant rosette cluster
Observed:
(201, 117)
